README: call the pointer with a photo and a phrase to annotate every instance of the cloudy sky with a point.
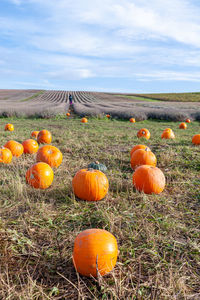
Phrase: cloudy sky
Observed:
(100, 45)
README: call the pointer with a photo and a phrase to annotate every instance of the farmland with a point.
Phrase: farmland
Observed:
(157, 235)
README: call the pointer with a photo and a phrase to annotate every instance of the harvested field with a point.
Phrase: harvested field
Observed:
(50, 103)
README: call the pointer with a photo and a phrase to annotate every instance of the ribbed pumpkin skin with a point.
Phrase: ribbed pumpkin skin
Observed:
(143, 157)
(188, 121)
(40, 175)
(90, 184)
(196, 139)
(44, 137)
(9, 127)
(5, 155)
(183, 126)
(168, 134)
(92, 248)
(84, 120)
(143, 133)
(97, 166)
(136, 147)
(50, 155)
(30, 146)
(149, 179)
(16, 148)
(34, 134)
(132, 120)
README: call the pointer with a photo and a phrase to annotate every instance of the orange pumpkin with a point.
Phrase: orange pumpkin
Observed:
(16, 148)
(167, 134)
(50, 155)
(95, 250)
(44, 137)
(139, 147)
(5, 155)
(34, 134)
(183, 126)
(143, 133)
(40, 175)
(149, 179)
(84, 120)
(108, 116)
(30, 146)
(132, 120)
(196, 139)
(143, 157)
(168, 129)
(90, 184)
(68, 114)
(9, 127)
(188, 121)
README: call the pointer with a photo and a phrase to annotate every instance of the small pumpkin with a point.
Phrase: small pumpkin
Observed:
(68, 114)
(149, 179)
(16, 148)
(44, 137)
(9, 127)
(5, 155)
(132, 120)
(196, 139)
(90, 185)
(34, 134)
(136, 147)
(50, 155)
(84, 120)
(95, 251)
(30, 146)
(40, 175)
(183, 125)
(143, 157)
(167, 134)
(108, 116)
(97, 166)
(188, 121)
(143, 133)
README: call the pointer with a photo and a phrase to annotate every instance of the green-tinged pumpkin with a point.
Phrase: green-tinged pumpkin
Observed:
(97, 166)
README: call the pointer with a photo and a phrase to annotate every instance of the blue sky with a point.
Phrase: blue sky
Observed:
(133, 46)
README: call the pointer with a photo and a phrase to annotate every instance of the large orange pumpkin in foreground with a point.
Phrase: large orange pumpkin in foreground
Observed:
(90, 184)
(132, 120)
(44, 137)
(183, 126)
(95, 251)
(149, 179)
(16, 148)
(143, 133)
(196, 139)
(34, 134)
(30, 146)
(136, 147)
(9, 127)
(40, 175)
(167, 134)
(50, 155)
(5, 155)
(84, 120)
(143, 157)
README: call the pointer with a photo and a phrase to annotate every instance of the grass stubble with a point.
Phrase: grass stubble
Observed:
(158, 235)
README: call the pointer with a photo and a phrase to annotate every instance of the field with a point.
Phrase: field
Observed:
(47, 104)
(158, 235)
(175, 97)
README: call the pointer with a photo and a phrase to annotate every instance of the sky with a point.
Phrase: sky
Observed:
(125, 46)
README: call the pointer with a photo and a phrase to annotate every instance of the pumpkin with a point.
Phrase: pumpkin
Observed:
(188, 121)
(50, 155)
(40, 175)
(44, 137)
(143, 133)
(9, 127)
(34, 134)
(68, 114)
(139, 147)
(97, 166)
(183, 126)
(143, 157)
(84, 120)
(90, 184)
(132, 120)
(108, 116)
(30, 146)
(167, 134)
(16, 148)
(5, 155)
(196, 139)
(95, 251)
(168, 129)
(149, 179)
